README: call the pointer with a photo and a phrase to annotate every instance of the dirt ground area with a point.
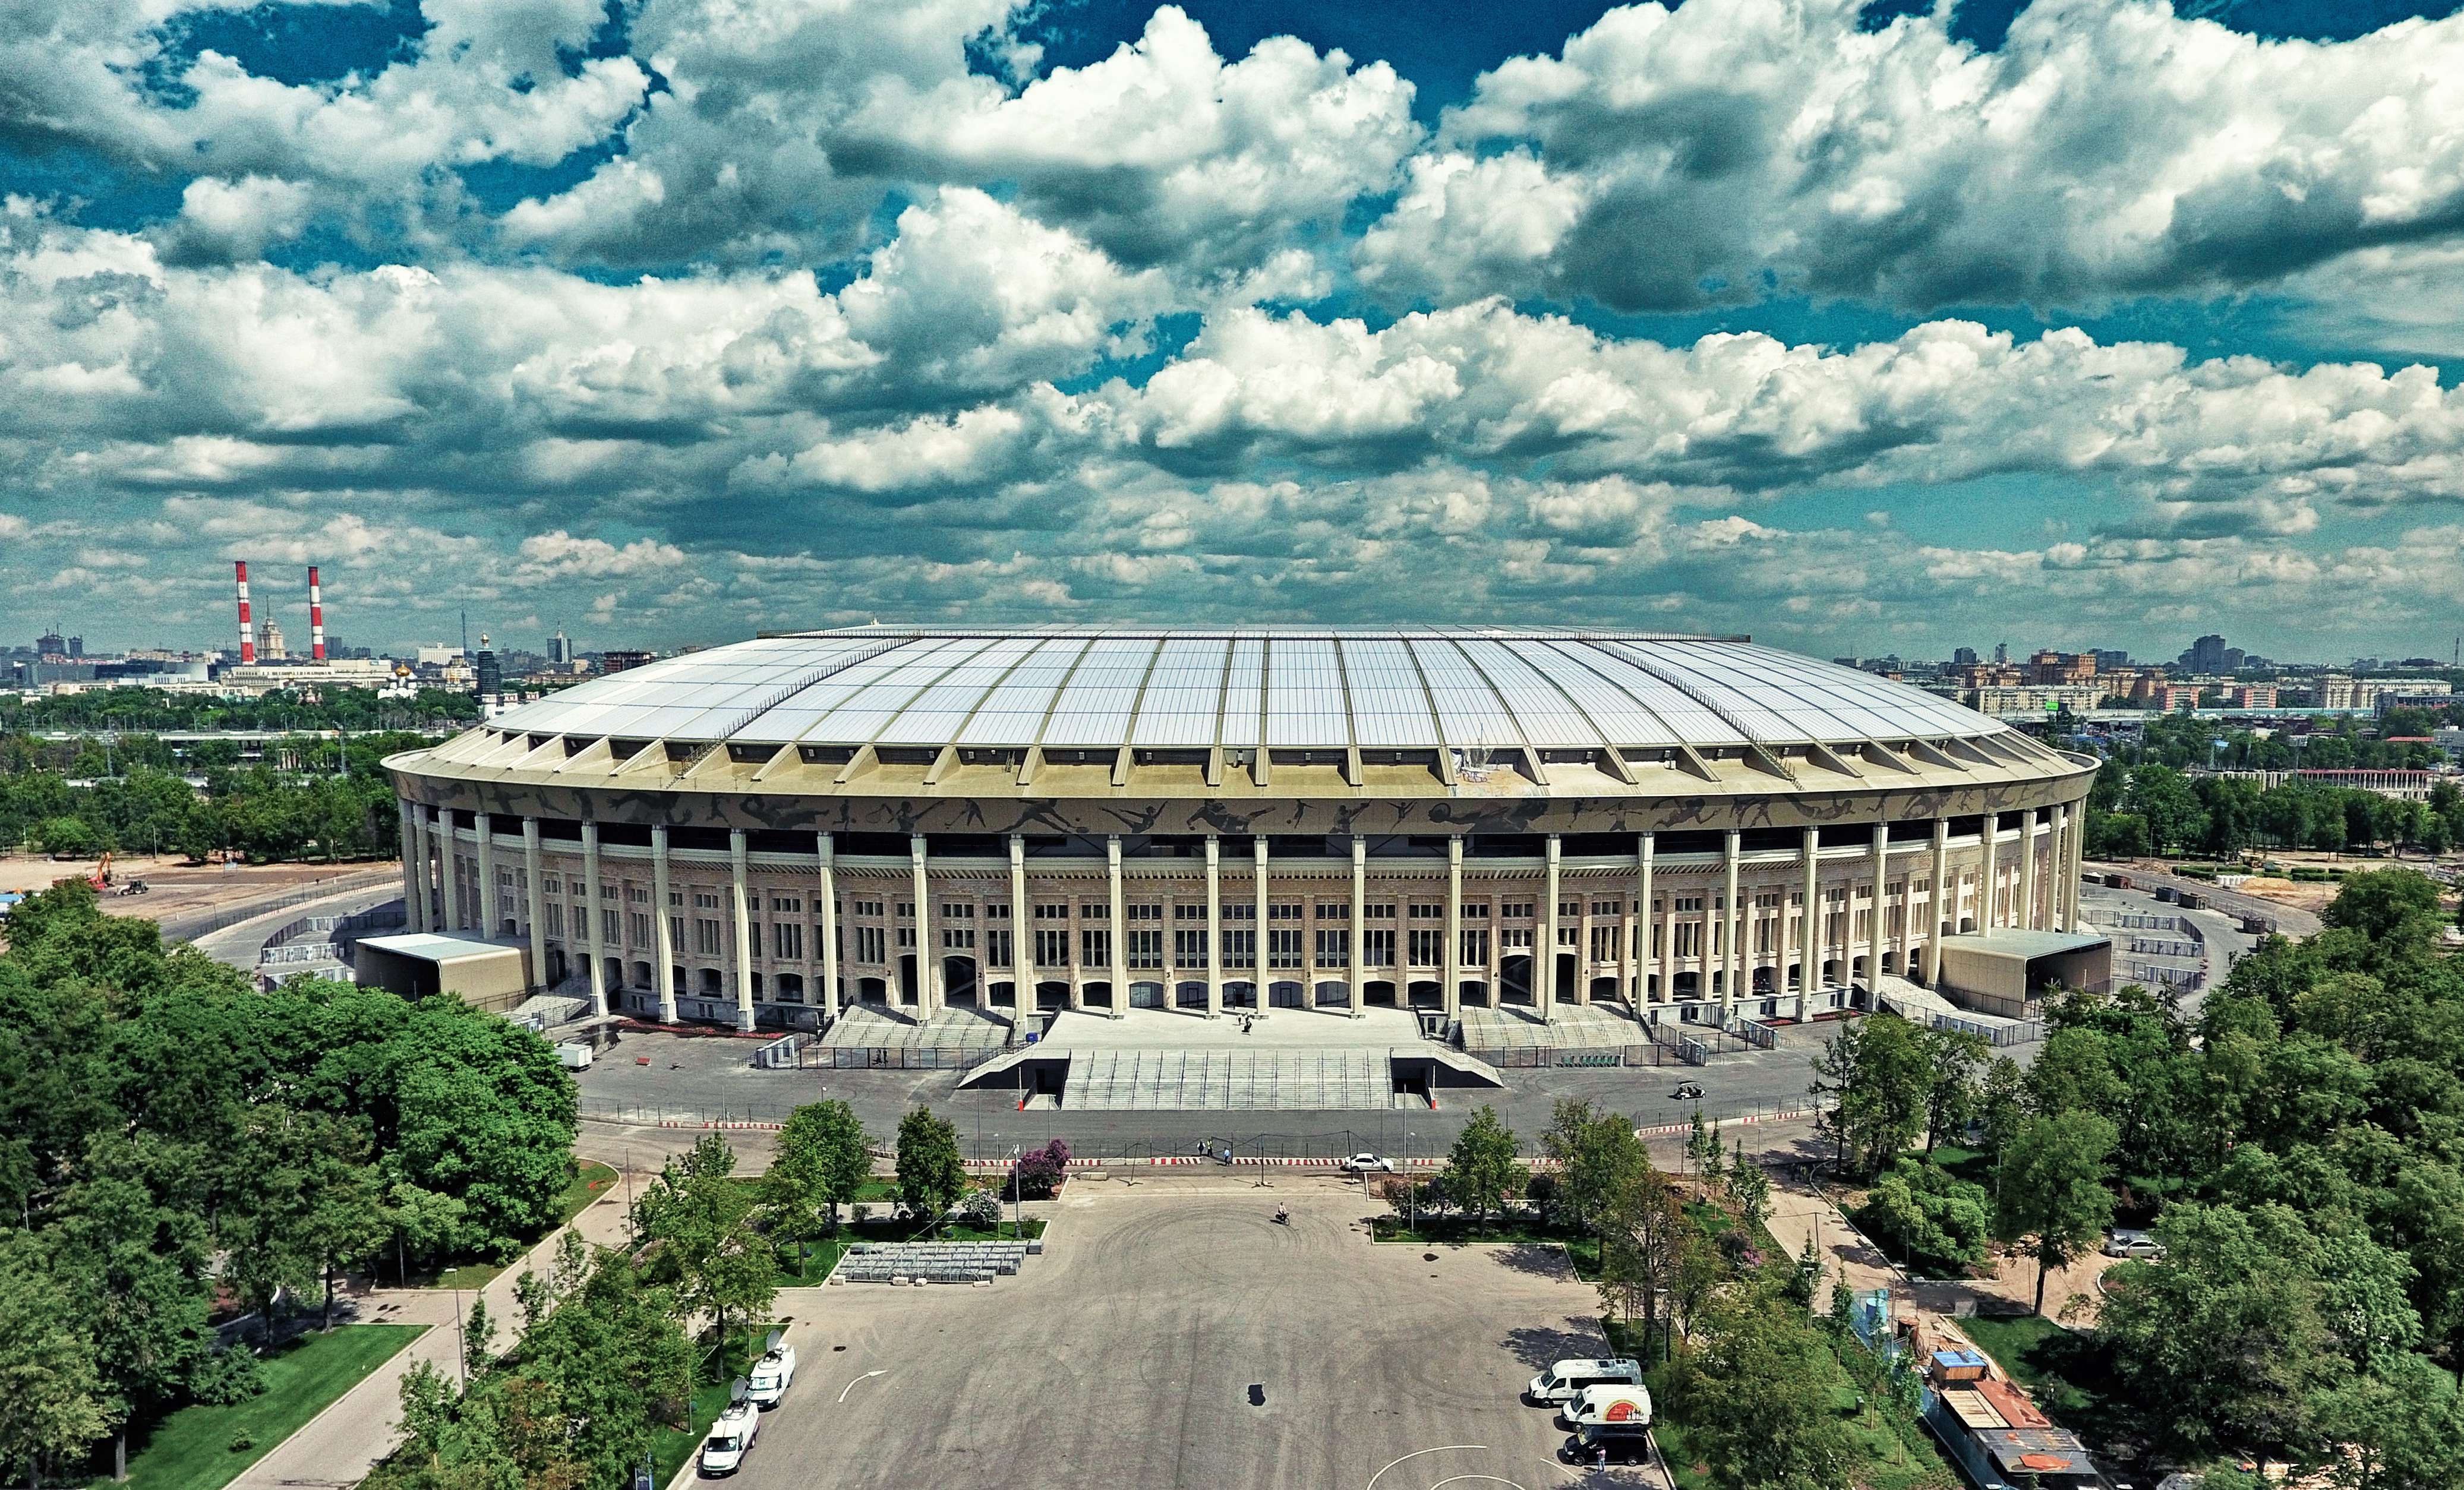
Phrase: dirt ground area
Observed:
(175, 889)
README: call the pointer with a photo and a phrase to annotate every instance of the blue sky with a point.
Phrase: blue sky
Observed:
(1868, 328)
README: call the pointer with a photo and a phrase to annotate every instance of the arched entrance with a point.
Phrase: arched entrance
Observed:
(1379, 993)
(871, 990)
(1002, 996)
(1603, 988)
(1146, 995)
(1514, 980)
(1189, 996)
(1097, 996)
(1473, 992)
(958, 980)
(1240, 995)
(1569, 977)
(556, 968)
(1331, 994)
(1426, 994)
(906, 980)
(1052, 995)
(1288, 995)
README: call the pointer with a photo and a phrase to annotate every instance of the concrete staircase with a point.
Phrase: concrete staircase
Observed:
(1228, 1081)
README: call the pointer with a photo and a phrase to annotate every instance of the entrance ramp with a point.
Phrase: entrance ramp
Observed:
(1269, 1080)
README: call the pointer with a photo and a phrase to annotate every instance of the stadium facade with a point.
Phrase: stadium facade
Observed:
(1244, 820)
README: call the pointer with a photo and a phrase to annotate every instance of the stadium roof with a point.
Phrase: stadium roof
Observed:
(1413, 688)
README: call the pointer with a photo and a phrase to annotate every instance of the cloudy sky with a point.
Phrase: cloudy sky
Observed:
(1869, 329)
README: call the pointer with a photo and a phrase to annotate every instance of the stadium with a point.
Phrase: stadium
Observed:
(914, 821)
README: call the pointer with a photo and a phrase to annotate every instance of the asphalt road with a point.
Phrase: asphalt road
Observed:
(710, 1079)
(1172, 1336)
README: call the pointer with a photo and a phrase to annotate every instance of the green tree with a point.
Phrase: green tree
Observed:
(2163, 797)
(822, 1159)
(1482, 1168)
(1748, 1187)
(52, 1402)
(1955, 1060)
(1879, 1076)
(1756, 1394)
(2050, 1184)
(134, 1273)
(1921, 1209)
(1598, 1157)
(709, 1251)
(930, 1175)
(479, 1337)
(1642, 1229)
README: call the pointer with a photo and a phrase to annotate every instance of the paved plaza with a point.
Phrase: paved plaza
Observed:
(1172, 1335)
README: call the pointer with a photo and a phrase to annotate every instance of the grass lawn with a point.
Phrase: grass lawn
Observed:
(191, 1448)
(590, 1185)
(2061, 1369)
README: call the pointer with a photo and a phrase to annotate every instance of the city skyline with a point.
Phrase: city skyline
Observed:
(2093, 324)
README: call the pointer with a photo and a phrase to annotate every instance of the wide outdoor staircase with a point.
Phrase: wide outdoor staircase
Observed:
(934, 1262)
(1228, 1081)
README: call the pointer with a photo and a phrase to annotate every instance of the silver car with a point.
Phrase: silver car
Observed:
(2126, 1243)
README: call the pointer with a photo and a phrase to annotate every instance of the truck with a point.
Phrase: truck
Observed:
(1560, 1382)
(722, 1453)
(1609, 1406)
(771, 1376)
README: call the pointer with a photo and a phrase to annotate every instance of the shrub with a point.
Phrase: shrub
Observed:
(1923, 1211)
(1036, 1175)
(981, 1207)
(224, 1378)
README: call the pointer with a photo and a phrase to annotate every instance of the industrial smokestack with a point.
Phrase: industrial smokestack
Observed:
(247, 632)
(316, 617)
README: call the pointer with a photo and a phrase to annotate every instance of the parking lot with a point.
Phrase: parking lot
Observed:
(1172, 1335)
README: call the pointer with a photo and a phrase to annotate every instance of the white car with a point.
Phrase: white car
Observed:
(723, 1451)
(1363, 1163)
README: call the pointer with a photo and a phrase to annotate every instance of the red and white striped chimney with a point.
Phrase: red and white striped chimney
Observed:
(247, 632)
(316, 617)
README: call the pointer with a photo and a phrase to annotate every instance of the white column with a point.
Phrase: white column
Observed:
(743, 930)
(534, 882)
(589, 913)
(1881, 890)
(833, 967)
(449, 855)
(927, 960)
(490, 914)
(1730, 962)
(1258, 890)
(2065, 884)
(2077, 860)
(1452, 958)
(1644, 924)
(1214, 927)
(1989, 882)
(1360, 921)
(2025, 919)
(414, 904)
(1543, 957)
(1022, 939)
(1809, 937)
(1944, 904)
(663, 930)
(1120, 930)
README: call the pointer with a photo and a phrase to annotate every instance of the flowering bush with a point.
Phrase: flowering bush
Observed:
(1036, 1175)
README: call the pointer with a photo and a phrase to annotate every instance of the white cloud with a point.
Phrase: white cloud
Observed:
(2107, 149)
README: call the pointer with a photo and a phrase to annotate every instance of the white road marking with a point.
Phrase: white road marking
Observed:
(1417, 1452)
(851, 1386)
(1499, 1478)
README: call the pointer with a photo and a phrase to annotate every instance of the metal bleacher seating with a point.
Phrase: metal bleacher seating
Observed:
(935, 1262)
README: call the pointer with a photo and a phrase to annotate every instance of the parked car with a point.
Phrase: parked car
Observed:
(2127, 1243)
(1363, 1163)
(722, 1453)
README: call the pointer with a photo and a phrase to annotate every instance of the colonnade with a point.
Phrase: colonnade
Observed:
(1655, 927)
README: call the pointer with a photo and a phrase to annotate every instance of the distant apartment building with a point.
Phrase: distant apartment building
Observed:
(2033, 700)
(2062, 669)
(2174, 697)
(2250, 695)
(620, 661)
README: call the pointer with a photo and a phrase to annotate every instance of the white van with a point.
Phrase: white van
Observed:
(723, 1451)
(1612, 1406)
(770, 1377)
(1560, 1382)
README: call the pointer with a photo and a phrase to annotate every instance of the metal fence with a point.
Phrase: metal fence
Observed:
(2140, 923)
(2152, 947)
(2023, 1032)
(1762, 1036)
(2181, 978)
(1530, 1056)
(785, 1053)
(187, 928)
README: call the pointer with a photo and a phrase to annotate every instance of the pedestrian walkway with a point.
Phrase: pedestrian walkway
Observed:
(340, 1445)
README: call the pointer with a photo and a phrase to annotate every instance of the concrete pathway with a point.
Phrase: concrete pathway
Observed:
(340, 1445)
